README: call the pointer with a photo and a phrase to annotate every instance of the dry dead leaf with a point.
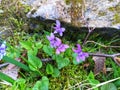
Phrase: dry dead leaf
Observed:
(11, 70)
(117, 60)
(99, 64)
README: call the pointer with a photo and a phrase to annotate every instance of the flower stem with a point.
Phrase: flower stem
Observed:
(90, 30)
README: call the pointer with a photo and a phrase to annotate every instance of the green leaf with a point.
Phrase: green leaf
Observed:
(48, 50)
(49, 69)
(19, 64)
(62, 62)
(26, 44)
(19, 84)
(46, 32)
(117, 83)
(6, 78)
(38, 45)
(68, 52)
(34, 62)
(33, 52)
(54, 57)
(56, 72)
(37, 86)
(13, 51)
(109, 86)
(94, 82)
(90, 76)
(42, 85)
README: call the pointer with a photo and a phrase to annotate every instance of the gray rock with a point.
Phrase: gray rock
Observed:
(97, 11)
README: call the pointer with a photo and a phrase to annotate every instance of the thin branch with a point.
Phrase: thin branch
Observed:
(104, 55)
(47, 60)
(3, 65)
(90, 30)
(86, 38)
(102, 44)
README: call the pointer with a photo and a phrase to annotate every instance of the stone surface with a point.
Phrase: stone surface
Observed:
(95, 13)
(99, 14)
(49, 9)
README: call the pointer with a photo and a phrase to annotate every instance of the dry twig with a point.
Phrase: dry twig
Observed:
(102, 44)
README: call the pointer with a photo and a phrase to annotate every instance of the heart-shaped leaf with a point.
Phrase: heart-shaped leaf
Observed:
(56, 72)
(42, 85)
(48, 50)
(62, 62)
(26, 44)
(34, 62)
(49, 69)
(38, 45)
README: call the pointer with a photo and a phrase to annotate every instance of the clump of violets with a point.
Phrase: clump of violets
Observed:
(60, 47)
(80, 54)
(56, 42)
(58, 29)
(2, 50)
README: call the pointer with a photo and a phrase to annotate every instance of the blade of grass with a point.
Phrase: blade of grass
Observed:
(6, 78)
(19, 64)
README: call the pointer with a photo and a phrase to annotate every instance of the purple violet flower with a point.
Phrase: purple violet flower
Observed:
(54, 41)
(58, 28)
(61, 48)
(80, 55)
(2, 50)
(51, 37)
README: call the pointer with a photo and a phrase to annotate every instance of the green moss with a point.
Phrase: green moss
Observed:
(116, 18)
(116, 10)
(110, 0)
(102, 13)
(75, 1)
(111, 9)
(69, 76)
(67, 2)
(14, 14)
